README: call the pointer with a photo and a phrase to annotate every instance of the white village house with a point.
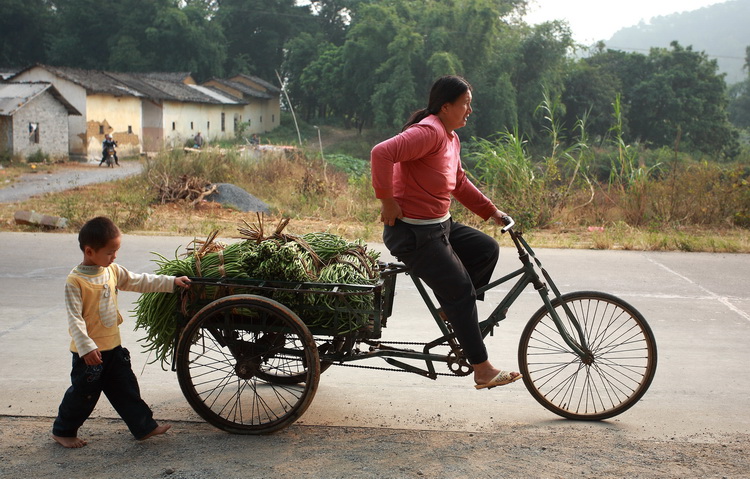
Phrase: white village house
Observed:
(34, 119)
(146, 112)
(263, 105)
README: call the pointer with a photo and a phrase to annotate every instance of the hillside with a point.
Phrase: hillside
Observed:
(720, 30)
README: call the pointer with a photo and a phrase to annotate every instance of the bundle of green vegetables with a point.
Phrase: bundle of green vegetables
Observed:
(311, 258)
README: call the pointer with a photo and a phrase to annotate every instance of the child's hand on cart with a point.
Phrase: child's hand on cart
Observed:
(182, 282)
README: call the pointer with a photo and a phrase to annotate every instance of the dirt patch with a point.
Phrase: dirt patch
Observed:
(197, 450)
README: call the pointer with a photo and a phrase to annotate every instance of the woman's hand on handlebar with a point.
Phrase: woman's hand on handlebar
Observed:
(503, 219)
(390, 211)
(500, 218)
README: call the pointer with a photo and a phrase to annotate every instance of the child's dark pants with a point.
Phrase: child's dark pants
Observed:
(115, 378)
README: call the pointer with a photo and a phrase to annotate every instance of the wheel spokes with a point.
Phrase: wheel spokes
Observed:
(618, 347)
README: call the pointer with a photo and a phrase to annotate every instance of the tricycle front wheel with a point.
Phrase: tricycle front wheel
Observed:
(605, 383)
(247, 364)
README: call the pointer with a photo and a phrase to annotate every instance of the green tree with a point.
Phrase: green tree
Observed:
(316, 97)
(83, 32)
(363, 53)
(186, 39)
(589, 93)
(256, 32)
(25, 26)
(333, 18)
(541, 66)
(138, 35)
(681, 99)
(395, 96)
(739, 98)
(299, 52)
(394, 50)
(671, 97)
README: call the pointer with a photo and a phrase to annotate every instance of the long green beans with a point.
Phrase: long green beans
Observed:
(313, 257)
(155, 312)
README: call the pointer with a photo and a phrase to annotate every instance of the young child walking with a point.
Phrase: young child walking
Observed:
(100, 363)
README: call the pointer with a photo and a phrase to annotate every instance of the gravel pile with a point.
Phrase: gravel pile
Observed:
(229, 194)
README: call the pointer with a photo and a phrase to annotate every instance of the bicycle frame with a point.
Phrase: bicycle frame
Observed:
(526, 275)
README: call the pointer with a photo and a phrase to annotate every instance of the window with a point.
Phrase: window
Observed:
(208, 125)
(101, 129)
(174, 127)
(34, 132)
(191, 125)
(261, 118)
(273, 119)
(223, 122)
(130, 129)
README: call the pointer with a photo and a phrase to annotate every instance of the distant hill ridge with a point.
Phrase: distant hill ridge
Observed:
(722, 31)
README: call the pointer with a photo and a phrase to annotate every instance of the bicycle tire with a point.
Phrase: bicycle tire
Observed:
(623, 363)
(224, 358)
(271, 373)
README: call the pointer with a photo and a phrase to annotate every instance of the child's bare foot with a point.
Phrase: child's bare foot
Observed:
(72, 442)
(157, 431)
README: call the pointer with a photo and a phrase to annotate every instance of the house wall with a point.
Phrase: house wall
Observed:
(260, 114)
(119, 116)
(76, 96)
(252, 113)
(52, 120)
(267, 113)
(153, 126)
(271, 114)
(182, 121)
(6, 135)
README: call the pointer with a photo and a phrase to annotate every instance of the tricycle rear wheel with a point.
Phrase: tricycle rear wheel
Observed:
(247, 364)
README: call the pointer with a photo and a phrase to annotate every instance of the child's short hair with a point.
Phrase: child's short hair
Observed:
(97, 232)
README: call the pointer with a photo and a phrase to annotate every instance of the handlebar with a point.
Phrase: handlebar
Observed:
(509, 223)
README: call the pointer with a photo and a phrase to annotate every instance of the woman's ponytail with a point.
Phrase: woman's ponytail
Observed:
(416, 117)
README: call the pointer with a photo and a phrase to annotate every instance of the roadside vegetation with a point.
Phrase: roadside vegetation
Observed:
(603, 195)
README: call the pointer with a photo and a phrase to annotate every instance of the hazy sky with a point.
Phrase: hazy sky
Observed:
(593, 20)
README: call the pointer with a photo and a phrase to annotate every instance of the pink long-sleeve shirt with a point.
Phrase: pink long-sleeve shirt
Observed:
(421, 168)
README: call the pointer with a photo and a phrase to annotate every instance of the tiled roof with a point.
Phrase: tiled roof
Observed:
(94, 81)
(220, 96)
(178, 77)
(154, 85)
(7, 72)
(245, 89)
(262, 82)
(14, 96)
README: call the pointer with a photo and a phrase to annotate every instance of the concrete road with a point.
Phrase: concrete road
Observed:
(698, 306)
(32, 184)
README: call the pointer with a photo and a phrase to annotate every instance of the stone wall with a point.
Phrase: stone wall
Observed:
(51, 135)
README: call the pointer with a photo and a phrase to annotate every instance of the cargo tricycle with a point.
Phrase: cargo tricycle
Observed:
(248, 363)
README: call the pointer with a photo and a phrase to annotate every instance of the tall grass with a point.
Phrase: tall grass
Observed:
(511, 178)
(610, 183)
(292, 182)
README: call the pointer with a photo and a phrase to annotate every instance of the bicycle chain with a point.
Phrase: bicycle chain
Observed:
(377, 368)
(362, 366)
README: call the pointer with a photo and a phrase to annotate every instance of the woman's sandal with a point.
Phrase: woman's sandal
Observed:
(502, 378)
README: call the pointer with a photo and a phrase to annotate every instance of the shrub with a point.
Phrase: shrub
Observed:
(37, 157)
(348, 164)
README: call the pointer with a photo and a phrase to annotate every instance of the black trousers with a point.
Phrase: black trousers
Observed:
(115, 378)
(453, 260)
(104, 158)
